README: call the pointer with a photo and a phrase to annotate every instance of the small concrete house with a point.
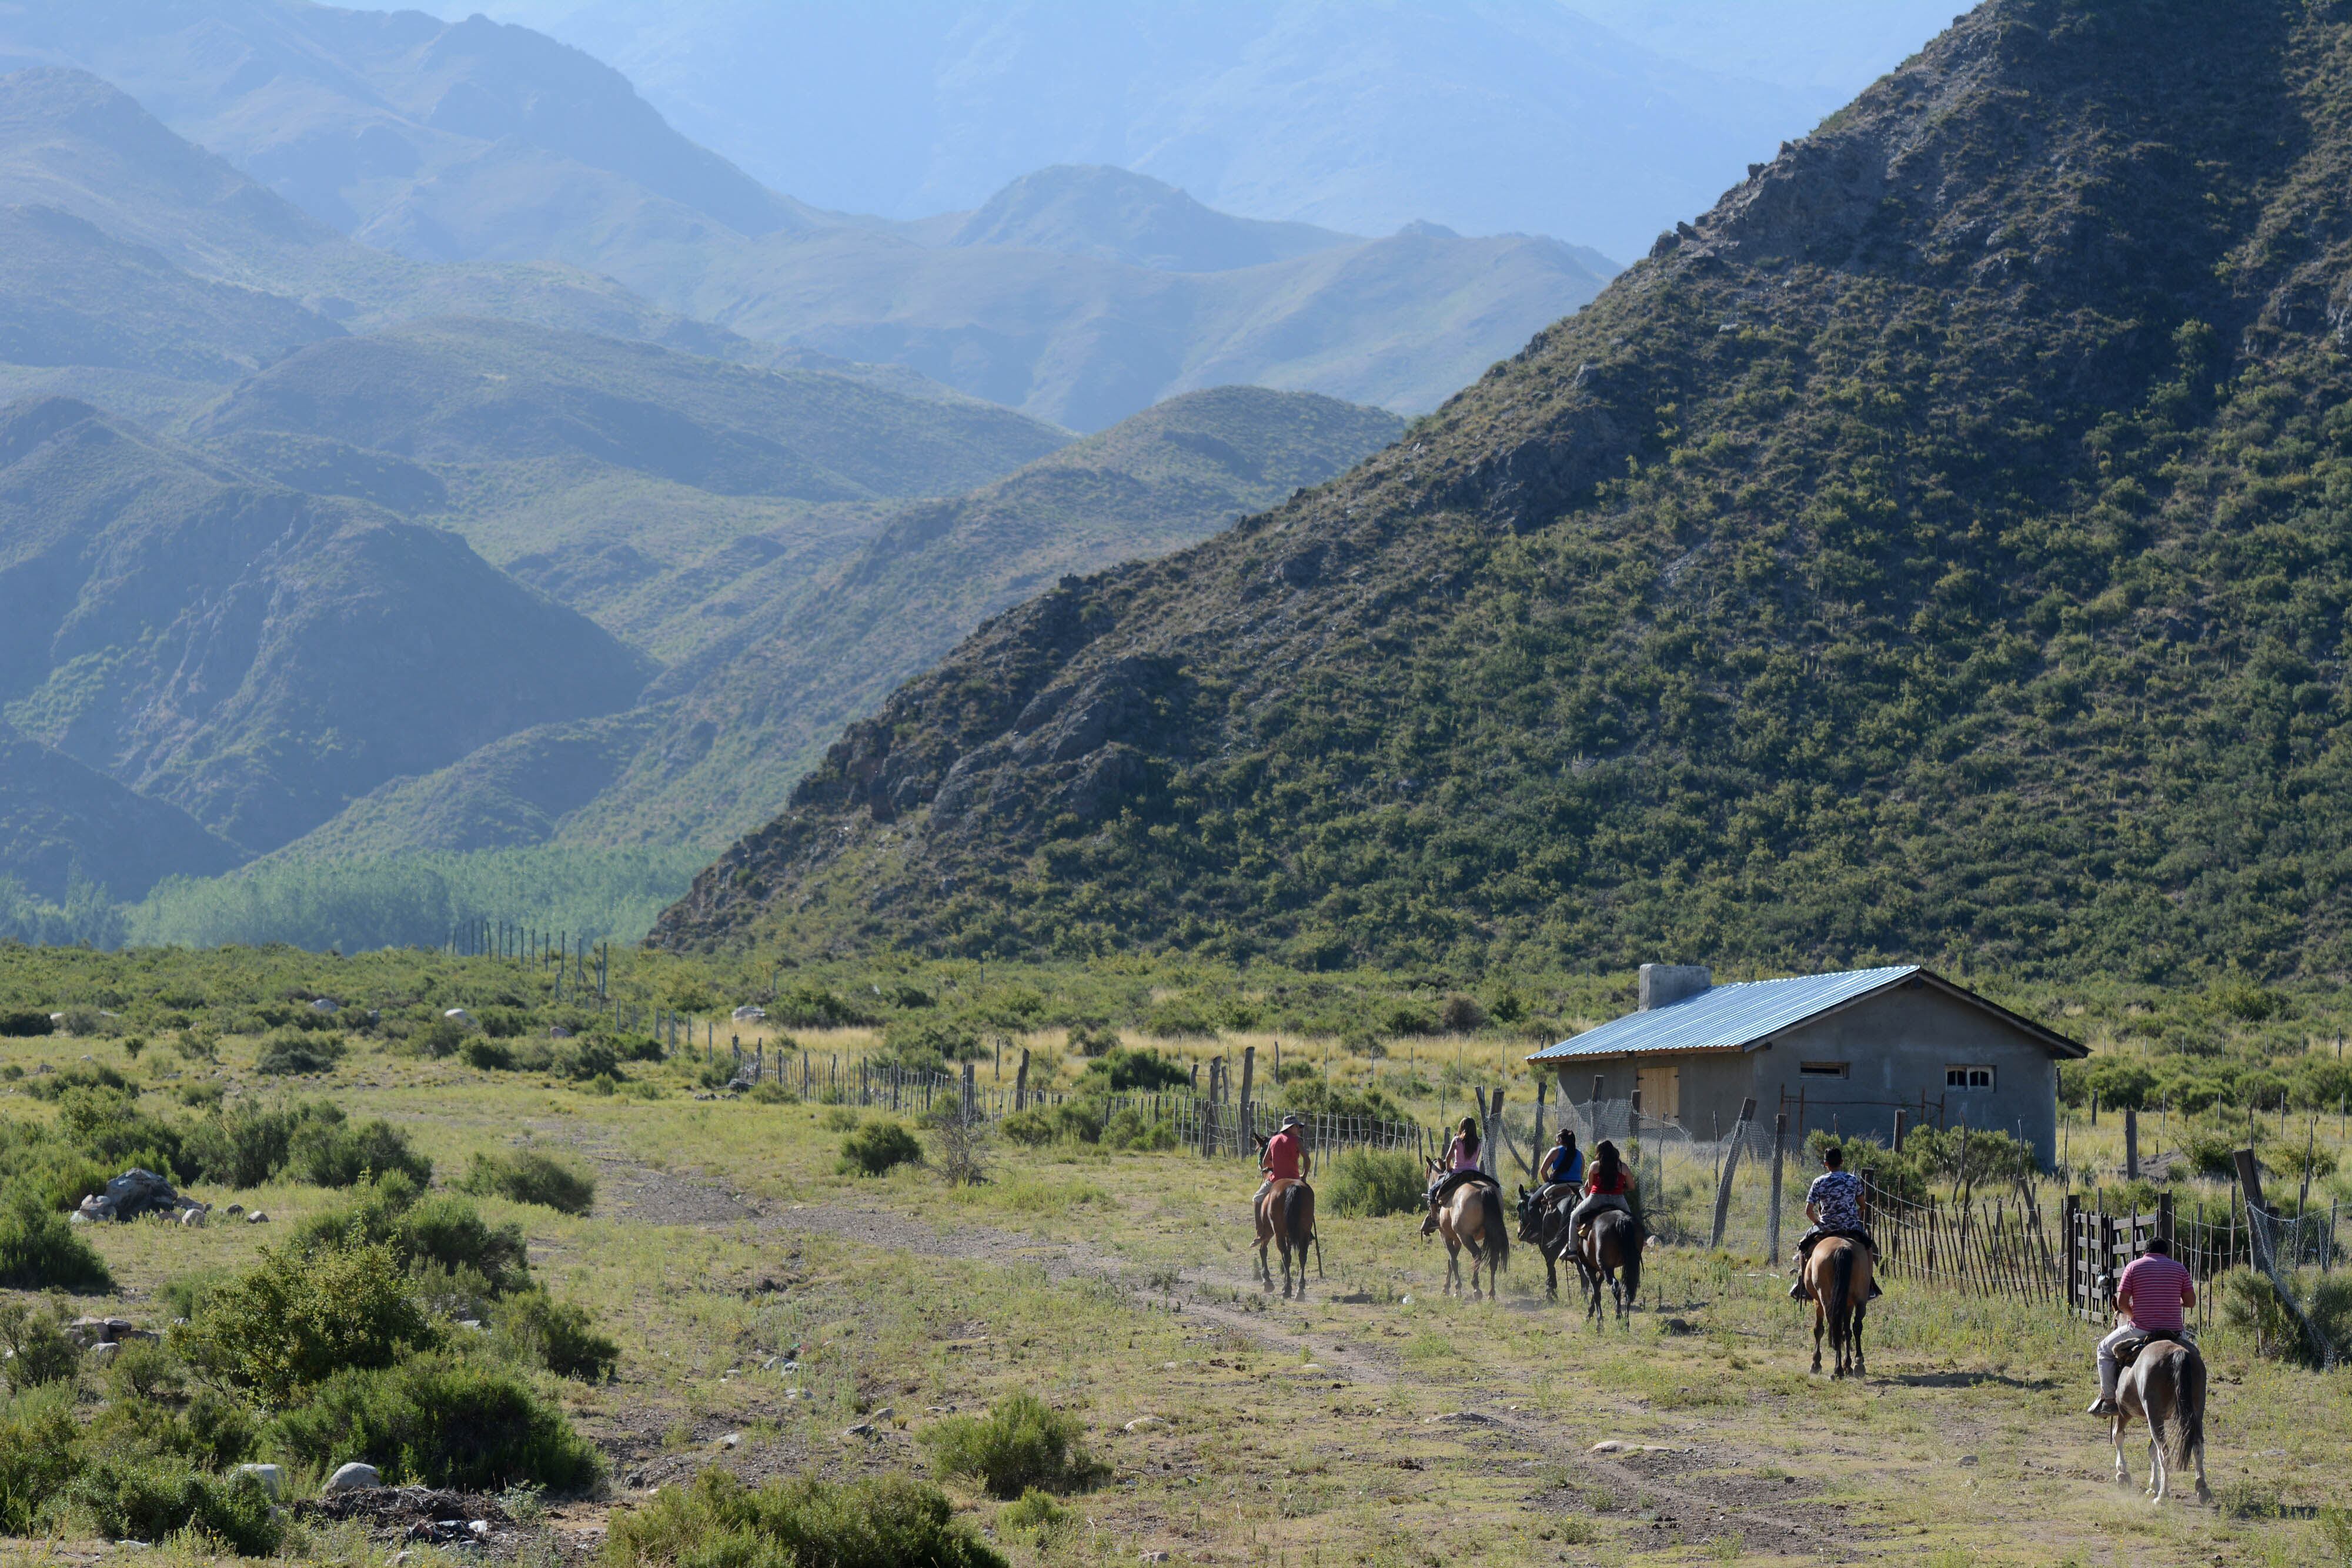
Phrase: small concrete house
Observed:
(1839, 1052)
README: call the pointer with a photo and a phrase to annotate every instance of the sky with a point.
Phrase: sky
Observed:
(1598, 122)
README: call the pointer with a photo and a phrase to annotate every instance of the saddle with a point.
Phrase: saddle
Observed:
(2128, 1351)
(1452, 1180)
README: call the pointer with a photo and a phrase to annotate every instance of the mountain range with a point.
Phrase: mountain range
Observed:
(1080, 295)
(1936, 549)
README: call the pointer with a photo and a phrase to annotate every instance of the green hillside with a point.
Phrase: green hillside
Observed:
(726, 731)
(62, 824)
(1935, 550)
(252, 656)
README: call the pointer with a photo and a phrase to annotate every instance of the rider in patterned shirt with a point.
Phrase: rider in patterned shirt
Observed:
(1835, 1204)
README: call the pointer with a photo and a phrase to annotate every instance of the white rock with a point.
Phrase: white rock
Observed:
(479, 1528)
(733, 1440)
(257, 1218)
(272, 1479)
(1610, 1445)
(1144, 1424)
(193, 1218)
(97, 1357)
(354, 1477)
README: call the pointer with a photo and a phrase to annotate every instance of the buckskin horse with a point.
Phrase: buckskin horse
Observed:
(1286, 1213)
(1470, 1215)
(2164, 1385)
(1610, 1249)
(1837, 1276)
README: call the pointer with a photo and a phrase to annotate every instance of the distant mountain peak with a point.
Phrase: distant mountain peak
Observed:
(1117, 214)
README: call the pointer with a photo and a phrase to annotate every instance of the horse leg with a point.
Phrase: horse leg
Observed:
(2156, 1476)
(2115, 1437)
(1861, 1310)
(1821, 1325)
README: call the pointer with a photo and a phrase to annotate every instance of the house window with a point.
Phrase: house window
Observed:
(1968, 1077)
(1822, 1069)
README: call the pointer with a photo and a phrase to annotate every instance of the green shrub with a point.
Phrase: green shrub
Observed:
(1094, 1039)
(877, 1146)
(1369, 1183)
(1129, 1129)
(423, 1230)
(137, 1498)
(1021, 1443)
(927, 1045)
(889, 1521)
(583, 1060)
(559, 1335)
(767, 1093)
(439, 1421)
(79, 1075)
(839, 1118)
(1136, 1071)
(488, 1055)
(36, 1458)
(289, 1051)
(2251, 1304)
(301, 1317)
(38, 1349)
(530, 1176)
(39, 1251)
(246, 1144)
(1033, 1510)
(336, 1153)
(805, 1006)
(24, 1023)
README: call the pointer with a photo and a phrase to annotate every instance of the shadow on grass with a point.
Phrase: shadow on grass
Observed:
(1968, 1380)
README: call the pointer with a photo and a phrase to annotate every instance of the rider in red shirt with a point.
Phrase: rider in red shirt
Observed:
(1284, 1159)
(2149, 1297)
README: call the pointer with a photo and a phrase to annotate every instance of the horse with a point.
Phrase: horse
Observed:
(1288, 1214)
(1837, 1276)
(2164, 1387)
(1610, 1250)
(1544, 1225)
(1471, 1215)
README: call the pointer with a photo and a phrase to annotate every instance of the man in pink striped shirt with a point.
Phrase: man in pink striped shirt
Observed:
(2151, 1298)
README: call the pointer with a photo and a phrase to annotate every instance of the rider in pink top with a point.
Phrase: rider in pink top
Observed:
(2151, 1298)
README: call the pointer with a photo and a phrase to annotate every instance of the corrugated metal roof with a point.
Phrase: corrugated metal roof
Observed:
(1725, 1018)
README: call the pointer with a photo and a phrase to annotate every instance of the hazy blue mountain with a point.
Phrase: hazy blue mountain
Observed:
(1484, 115)
(60, 819)
(1114, 214)
(253, 655)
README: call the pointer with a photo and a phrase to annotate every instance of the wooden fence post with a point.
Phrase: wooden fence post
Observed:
(2074, 1240)
(1730, 1164)
(2131, 1143)
(1772, 1220)
(1901, 1117)
(1487, 1118)
(1021, 1083)
(1244, 1129)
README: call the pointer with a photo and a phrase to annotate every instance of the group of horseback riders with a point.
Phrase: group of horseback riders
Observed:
(1574, 1199)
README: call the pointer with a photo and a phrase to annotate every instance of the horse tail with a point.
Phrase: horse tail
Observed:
(1297, 1219)
(1490, 1220)
(2182, 1431)
(1630, 1242)
(1841, 1306)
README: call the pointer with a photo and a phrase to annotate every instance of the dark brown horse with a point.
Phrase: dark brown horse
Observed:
(1609, 1247)
(1286, 1213)
(1837, 1275)
(1543, 1225)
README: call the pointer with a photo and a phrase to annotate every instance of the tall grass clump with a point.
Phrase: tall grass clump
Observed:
(887, 1521)
(1021, 1443)
(876, 1148)
(440, 1421)
(1373, 1182)
(530, 1176)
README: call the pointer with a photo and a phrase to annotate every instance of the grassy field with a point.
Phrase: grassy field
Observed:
(1375, 1422)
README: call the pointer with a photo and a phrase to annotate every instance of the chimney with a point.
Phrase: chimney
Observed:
(1664, 985)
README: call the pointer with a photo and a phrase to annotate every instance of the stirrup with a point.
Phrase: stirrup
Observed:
(2102, 1405)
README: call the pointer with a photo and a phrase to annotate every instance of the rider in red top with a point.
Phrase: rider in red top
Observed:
(2149, 1298)
(1284, 1159)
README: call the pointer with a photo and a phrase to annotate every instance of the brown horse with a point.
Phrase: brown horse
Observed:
(1837, 1275)
(1471, 1215)
(1609, 1247)
(2164, 1387)
(1286, 1213)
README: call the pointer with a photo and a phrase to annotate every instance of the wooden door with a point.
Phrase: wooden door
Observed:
(1662, 1091)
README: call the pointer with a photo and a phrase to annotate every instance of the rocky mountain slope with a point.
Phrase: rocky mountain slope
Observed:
(252, 656)
(724, 733)
(60, 820)
(1934, 550)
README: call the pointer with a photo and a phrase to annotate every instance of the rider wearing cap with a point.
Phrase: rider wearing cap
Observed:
(2149, 1297)
(1284, 1159)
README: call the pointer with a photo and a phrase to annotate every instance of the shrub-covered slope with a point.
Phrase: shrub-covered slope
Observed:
(1941, 548)
(253, 655)
(60, 820)
(726, 732)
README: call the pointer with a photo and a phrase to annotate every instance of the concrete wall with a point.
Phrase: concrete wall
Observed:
(1897, 1045)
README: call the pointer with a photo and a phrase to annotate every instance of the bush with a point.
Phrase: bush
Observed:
(150, 1499)
(301, 1318)
(877, 1146)
(442, 1037)
(530, 1176)
(1137, 1071)
(1021, 1443)
(328, 1150)
(583, 1060)
(39, 1251)
(23, 1023)
(38, 1349)
(248, 1144)
(1127, 1129)
(2251, 1304)
(1094, 1039)
(1035, 1511)
(927, 1045)
(423, 1230)
(1461, 1015)
(557, 1336)
(1369, 1183)
(889, 1521)
(804, 1006)
(488, 1055)
(36, 1460)
(292, 1051)
(439, 1421)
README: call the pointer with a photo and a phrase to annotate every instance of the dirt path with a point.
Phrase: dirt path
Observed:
(1681, 1489)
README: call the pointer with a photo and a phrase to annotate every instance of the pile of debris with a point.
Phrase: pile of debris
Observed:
(136, 1192)
(418, 1514)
